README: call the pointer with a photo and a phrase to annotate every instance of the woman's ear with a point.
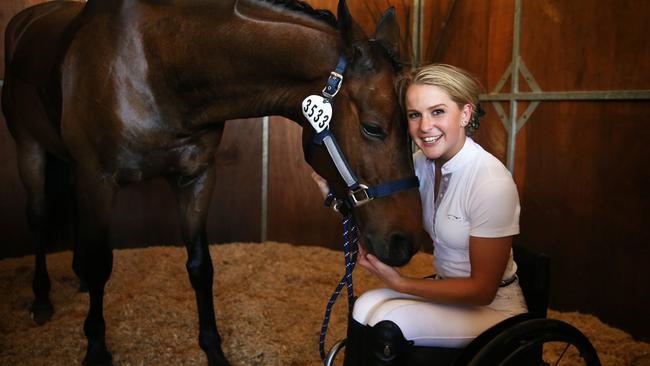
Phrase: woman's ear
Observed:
(466, 116)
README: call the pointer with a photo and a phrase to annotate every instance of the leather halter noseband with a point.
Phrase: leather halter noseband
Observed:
(318, 111)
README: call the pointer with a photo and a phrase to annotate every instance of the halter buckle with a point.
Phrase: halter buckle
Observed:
(333, 86)
(360, 196)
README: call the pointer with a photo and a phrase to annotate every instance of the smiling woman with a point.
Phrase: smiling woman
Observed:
(471, 212)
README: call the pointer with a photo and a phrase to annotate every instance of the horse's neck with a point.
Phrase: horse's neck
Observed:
(255, 60)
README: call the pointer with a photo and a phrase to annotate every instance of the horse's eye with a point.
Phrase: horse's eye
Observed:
(373, 131)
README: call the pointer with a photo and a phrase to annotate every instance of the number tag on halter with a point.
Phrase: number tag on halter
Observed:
(318, 111)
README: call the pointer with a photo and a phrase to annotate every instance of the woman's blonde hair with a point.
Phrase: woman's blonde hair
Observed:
(461, 86)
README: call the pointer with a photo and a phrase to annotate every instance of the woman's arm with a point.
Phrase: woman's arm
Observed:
(488, 259)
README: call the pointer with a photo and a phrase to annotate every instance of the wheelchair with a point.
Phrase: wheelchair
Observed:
(517, 341)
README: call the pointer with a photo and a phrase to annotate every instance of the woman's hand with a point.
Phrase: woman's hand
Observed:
(384, 272)
(321, 183)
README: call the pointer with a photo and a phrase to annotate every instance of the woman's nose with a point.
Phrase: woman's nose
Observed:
(426, 123)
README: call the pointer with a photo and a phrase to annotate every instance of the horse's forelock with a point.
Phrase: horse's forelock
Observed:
(365, 59)
(391, 55)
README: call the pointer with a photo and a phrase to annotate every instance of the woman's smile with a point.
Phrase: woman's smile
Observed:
(431, 139)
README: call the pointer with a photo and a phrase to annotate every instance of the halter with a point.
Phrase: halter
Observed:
(318, 112)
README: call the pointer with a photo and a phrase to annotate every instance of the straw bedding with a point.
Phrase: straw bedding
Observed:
(269, 301)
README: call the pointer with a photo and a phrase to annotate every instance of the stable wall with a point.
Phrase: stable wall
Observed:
(580, 166)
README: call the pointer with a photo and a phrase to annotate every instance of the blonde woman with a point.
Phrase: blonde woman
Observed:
(470, 210)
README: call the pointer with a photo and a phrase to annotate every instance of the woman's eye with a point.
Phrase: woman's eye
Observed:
(436, 112)
(413, 115)
(373, 131)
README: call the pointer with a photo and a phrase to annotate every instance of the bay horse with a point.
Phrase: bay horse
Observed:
(127, 90)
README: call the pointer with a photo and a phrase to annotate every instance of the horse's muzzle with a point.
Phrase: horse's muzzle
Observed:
(396, 251)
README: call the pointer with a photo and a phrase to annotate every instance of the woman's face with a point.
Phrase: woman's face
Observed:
(436, 123)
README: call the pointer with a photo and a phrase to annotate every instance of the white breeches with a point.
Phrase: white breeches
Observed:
(432, 324)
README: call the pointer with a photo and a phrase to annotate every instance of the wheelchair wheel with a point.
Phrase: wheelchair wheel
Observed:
(537, 342)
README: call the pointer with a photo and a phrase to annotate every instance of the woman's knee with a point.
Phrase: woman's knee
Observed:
(366, 304)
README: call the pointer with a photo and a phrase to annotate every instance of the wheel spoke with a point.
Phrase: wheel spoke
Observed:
(562, 354)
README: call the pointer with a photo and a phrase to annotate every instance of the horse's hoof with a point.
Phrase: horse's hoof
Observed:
(41, 311)
(98, 358)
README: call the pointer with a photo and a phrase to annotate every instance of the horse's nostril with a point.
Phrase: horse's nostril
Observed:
(400, 248)
(367, 244)
(396, 251)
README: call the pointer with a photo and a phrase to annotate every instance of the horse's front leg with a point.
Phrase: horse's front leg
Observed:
(194, 194)
(94, 204)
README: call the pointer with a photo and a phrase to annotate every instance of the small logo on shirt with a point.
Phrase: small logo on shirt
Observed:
(455, 218)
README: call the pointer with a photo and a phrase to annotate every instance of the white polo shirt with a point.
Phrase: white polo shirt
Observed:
(477, 197)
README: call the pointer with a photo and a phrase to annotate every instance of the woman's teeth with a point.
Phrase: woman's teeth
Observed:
(430, 139)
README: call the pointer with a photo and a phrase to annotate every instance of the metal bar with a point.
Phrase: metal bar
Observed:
(502, 114)
(514, 79)
(416, 41)
(569, 95)
(265, 179)
(503, 79)
(528, 76)
(526, 115)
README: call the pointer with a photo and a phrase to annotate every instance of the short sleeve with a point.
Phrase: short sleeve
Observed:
(494, 209)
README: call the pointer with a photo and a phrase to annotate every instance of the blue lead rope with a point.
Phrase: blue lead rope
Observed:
(350, 250)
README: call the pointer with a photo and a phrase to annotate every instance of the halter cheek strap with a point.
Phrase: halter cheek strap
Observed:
(318, 111)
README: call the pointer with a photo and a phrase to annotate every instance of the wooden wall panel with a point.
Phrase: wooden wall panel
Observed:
(585, 203)
(579, 166)
(603, 47)
(585, 197)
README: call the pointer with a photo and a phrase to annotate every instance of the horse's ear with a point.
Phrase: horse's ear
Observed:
(387, 32)
(356, 41)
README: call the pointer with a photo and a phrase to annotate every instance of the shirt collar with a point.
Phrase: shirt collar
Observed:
(466, 154)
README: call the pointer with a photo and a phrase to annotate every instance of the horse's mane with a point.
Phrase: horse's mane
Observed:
(302, 7)
(329, 18)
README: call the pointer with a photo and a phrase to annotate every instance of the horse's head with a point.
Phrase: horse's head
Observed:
(371, 132)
